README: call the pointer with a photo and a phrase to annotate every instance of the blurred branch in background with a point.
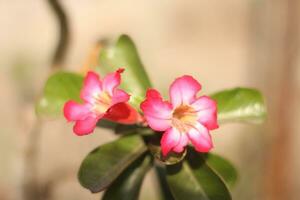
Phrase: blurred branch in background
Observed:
(33, 189)
(279, 179)
(64, 34)
(275, 37)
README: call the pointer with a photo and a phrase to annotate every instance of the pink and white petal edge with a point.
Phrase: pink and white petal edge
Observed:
(169, 140)
(86, 126)
(91, 86)
(207, 112)
(156, 111)
(200, 138)
(74, 111)
(112, 80)
(158, 124)
(120, 96)
(184, 90)
(183, 141)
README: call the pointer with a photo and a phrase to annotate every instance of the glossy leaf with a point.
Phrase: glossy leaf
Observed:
(240, 104)
(127, 186)
(104, 164)
(125, 129)
(123, 54)
(223, 168)
(59, 88)
(103, 123)
(196, 180)
(163, 189)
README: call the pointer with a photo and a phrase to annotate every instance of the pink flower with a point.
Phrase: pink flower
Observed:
(102, 99)
(186, 118)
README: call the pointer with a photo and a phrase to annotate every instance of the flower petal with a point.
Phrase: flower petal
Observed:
(111, 81)
(91, 86)
(157, 112)
(152, 93)
(200, 138)
(86, 126)
(123, 113)
(169, 140)
(119, 96)
(74, 111)
(207, 112)
(183, 141)
(183, 90)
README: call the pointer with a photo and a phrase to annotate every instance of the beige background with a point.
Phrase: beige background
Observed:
(222, 43)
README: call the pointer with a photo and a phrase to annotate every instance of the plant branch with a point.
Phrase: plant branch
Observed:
(64, 34)
(32, 189)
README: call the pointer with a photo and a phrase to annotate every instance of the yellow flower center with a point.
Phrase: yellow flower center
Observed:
(102, 102)
(184, 118)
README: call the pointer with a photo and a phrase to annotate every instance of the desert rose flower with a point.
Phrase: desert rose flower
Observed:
(185, 118)
(101, 99)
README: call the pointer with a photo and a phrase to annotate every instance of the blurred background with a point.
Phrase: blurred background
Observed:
(224, 44)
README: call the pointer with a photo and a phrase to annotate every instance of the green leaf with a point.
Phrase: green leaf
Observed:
(223, 168)
(103, 123)
(60, 87)
(125, 128)
(123, 54)
(196, 180)
(104, 164)
(163, 189)
(240, 104)
(128, 185)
